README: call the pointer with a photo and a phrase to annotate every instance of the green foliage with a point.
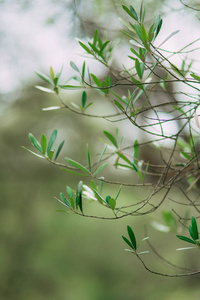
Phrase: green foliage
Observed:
(45, 147)
(132, 242)
(193, 231)
(131, 92)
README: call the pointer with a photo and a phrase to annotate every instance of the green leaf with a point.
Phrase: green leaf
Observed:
(46, 90)
(122, 156)
(72, 202)
(44, 77)
(95, 39)
(158, 27)
(186, 239)
(77, 165)
(191, 232)
(43, 143)
(93, 185)
(134, 13)
(59, 149)
(64, 199)
(51, 153)
(112, 203)
(85, 47)
(74, 66)
(142, 12)
(51, 140)
(96, 80)
(118, 192)
(136, 152)
(194, 228)
(84, 98)
(74, 172)
(195, 77)
(143, 252)
(104, 46)
(118, 105)
(111, 138)
(100, 169)
(130, 12)
(99, 198)
(59, 74)
(52, 73)
(134, 52)
(69, 192)
(79, 196)
(35, 143)
(83, 72)
(88, 156)
(40, 156)
(139, 68)
(144, 37)
(102, 154)
(128, 242)
(132, 237)
(108, 197)
(137, 28)
(70, 87)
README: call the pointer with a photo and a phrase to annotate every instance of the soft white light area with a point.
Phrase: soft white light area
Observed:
(33, 38)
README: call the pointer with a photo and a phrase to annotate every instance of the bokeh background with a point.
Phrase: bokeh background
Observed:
(46, 254)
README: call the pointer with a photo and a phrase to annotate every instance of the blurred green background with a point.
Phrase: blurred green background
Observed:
(45, 254)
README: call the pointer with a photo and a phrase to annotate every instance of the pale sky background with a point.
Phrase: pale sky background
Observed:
(30, 41)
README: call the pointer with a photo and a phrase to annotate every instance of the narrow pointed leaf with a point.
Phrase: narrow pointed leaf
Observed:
(122, 156)
(88, 156)
(52, 73)
(74, 66)
(70, 87)
(186, 239)
(51, 153)
(79, 196)
(136, 154)
(40, 156)
(74, 172)
(134, 13)
(77, 165)
(95, 79)
(100, 169)
(111, 138)
(43, 143)
(44, 77)
(95, 39)
(118, 192)
(195, 228)
(46, 90)
(84, 98)
(191, 232)
(83, 72)
(85, 47)
(59, 149)
(102, 153)
(195, 77)
(143, 252)
(100, 198)
(69, 192)
(51, 140)
(132, 237)
(128, 11)
(93, 185)
(128, 242)
(35, 143)
(64, 199)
